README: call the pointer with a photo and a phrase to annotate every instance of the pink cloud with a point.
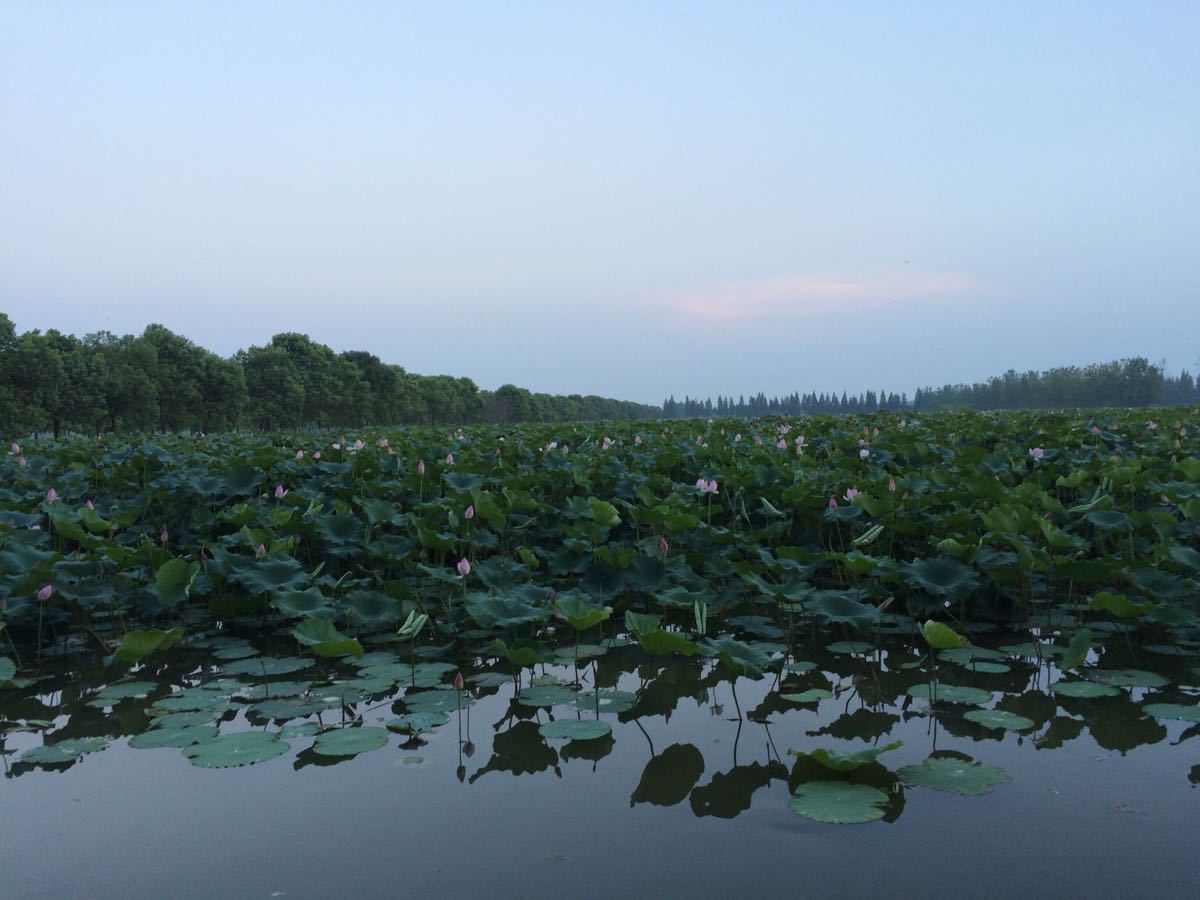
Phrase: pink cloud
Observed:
(802, 296)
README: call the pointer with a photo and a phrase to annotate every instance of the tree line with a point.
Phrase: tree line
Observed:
(1126, 382)
(161, 381)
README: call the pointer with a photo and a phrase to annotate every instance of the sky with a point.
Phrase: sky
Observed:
(625, 199)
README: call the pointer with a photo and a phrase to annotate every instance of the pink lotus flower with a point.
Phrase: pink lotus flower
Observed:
(864, 453)
(449, 459)
(832, 503)
(14, 448)
(663, 546)
(51, 495)
(280, 492)
(737, 438)
(850, 494)
(299, 454)
(163, 536)
(470, 513)
(317, 454)
(891, 485)
(458, 681)
(464, 567)
(44, 594)
(358, 445)
(337, 446)
(421, 468)
(261, 551)
(706, 487)
(1036, 452)
(637, 440)
(782, 445)
(757, 440)
(89, 505)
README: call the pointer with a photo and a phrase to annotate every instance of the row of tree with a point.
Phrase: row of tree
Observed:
(1127, 382)
(162, 381)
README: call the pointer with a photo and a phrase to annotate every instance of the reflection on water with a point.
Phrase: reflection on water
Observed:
(223, 683)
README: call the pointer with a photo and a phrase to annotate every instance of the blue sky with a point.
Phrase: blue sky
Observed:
(625, 199)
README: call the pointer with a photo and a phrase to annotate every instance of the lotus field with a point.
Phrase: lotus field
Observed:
(833, 595)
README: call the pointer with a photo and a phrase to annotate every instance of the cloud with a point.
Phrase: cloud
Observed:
(810, 296)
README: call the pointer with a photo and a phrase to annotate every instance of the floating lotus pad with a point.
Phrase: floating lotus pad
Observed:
(950, 693)
(998, 719)
(837, 761)
(575, 729)
(243, 748)
(546, 695)
(609, 701)
(1172, 711)
(810, 696)
(268, 665)
(177, 738)
(437, 701)
(350, 741)
(416, 723)
(1125, 677)
(957, 776)
(65, 751)
(838, 802)
(851, 647)
(115, 693)
(1083, 690)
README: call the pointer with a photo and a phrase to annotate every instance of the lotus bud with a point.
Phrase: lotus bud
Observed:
(464, 567)
(44, 594)
(261, 551)
(663, 546)
(470, 513)
(51, 495)
(458, 681)
(421, 468)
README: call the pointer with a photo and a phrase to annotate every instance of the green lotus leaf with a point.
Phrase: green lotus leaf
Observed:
(546, 695)
(506, 609)
(579, 612)
(137, 645)
(417, 723)
(575, 729)
(812, 695)
(173, 581)
(840, 606)
(443, 701)
(177, 738)
(742, 658)
(244, 651)
(310, 602)
(325, 640)
(955, 775)
(941, 637)
(850, 648)
(603, 512)
(273, 573)
(1172, 711)
(941, 576)
(605, 701)
(1083, 689)
(1077, 650)
(1125, 677)
(838, 802)
(110, 694)
(241, 748)
(8, 669)
(999, 719)
(837, 761)
(350, 741)
(266, 666)
(950, 693)
(64, 751)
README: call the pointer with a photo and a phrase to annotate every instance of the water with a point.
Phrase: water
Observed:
(1103, 799)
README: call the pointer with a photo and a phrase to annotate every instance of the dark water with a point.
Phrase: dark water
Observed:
(1103, 799)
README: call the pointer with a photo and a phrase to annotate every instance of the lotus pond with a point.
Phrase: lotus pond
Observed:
(959, 654)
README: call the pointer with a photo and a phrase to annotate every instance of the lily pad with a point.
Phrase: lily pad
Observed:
(64, 751)
(241, 748)
(838, 802)
(1173, 711)
(173, 737)
(999, 718)
(1084, 690)
(953, 774)
(1125, 677)
(266, 666)
(350, 741)
(950, 693)
(812, 695)
(575, 729)
(546, 695)
(836, 761)
(416, 723)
